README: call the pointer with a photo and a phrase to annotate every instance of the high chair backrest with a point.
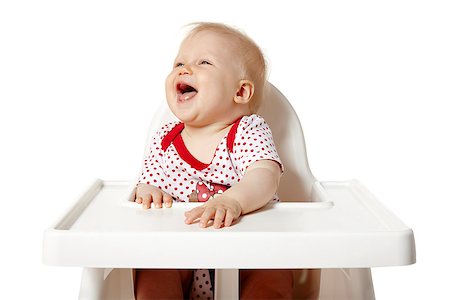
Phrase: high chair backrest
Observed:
(297, 180)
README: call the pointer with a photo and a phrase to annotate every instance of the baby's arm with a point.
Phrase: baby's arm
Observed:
(255, 190)
(149, 185)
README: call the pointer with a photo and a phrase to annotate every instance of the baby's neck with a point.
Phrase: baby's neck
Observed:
(210, 131)
(202, 142)
(216, 128)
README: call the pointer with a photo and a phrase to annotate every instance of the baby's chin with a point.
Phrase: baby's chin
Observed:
(182, 111)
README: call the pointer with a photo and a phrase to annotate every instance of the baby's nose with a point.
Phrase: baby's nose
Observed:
(185, 70)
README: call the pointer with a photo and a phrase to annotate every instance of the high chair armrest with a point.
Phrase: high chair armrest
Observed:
(349, 193)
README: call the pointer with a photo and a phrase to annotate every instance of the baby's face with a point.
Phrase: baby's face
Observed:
(204, 80)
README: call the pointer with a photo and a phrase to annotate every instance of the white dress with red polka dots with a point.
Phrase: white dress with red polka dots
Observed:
(170, 166)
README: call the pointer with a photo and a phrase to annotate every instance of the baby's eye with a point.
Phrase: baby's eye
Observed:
(205, 62)
(179, 65)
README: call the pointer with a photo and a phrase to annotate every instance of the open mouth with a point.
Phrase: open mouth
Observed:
(185, 91)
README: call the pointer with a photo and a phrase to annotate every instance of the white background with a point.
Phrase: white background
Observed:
(79, 82)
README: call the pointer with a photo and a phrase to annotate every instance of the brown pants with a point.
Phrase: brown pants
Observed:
(176, 284)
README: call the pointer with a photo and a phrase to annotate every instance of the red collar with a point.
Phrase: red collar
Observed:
(174, 136)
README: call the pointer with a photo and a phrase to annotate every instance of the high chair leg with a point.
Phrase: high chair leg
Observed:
(91, 287)
(351, 284)
(110, 284)
(226, 284)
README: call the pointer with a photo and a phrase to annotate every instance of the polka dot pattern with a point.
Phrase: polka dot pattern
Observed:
(201, 286)
(254, 142)
(177, 177)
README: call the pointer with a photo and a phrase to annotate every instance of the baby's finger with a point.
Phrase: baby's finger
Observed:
(167, 200)
(207, 215)
(146, 201)
(229, 218)
(157, 199)
(218, 218)
(138, 200)
(193, 214)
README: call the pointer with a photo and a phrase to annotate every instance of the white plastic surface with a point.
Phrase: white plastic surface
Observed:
(345, 227)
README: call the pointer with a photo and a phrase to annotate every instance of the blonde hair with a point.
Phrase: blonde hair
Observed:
(254, 64)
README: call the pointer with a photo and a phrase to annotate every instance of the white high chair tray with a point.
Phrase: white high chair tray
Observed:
(345, 227)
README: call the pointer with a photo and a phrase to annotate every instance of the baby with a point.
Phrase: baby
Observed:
(220, 153)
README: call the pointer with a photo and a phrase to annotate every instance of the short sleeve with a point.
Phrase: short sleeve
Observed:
(152, 171)
(254, 142)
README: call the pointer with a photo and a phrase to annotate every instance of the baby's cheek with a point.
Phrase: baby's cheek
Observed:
(169, 84)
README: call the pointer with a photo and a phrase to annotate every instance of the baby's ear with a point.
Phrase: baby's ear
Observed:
(245, 92)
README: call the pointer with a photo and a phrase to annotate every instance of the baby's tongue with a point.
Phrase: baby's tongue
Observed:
(187, 95)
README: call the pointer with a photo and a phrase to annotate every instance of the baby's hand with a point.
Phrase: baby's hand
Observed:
(146, 194)
(223, 210)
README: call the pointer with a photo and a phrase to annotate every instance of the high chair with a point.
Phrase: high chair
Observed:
(332, 233)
